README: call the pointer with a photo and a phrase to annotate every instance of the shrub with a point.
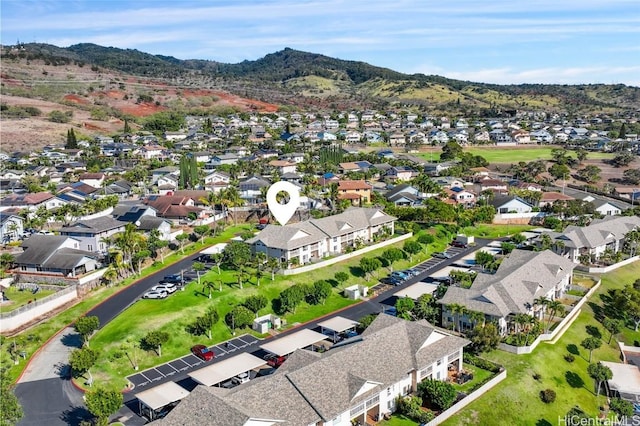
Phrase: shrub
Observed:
(569, 358)
(441, 394)
(621, 407)
(548, 396)
(426, 239)
(481, 363)
(537, 377)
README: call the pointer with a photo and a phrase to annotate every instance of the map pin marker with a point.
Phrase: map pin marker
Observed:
(283, 212)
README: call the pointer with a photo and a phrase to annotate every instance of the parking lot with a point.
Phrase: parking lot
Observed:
(154, 376)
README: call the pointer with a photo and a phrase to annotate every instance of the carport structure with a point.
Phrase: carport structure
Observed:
(625, 380)
(152, 401)
(289, 344)
(416, 290)
(222, 371)
(215, 249)
(335, 326)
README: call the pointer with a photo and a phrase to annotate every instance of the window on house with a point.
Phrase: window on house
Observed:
(89, 247)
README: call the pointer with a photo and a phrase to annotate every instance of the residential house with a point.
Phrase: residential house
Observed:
(358, 191)
(283, 166)
(172, 207)
(510, 204)
(251, 189)
(436, 169)
(220, 159)
(522, 278)
(54, 255)
(606, 208)
(149, 152)
(11, 227)
(316, 238)
(397, 139)
(167, 184)
(404, 195)
(217, 181)
(485, 183)
(163, 171)
(31, 201)
(94, 235)
(354, 384)
(400, 173)
(594, 239)
(461, 196)
(132, 212)
(95, 180)
(548, 198)
(147, 224)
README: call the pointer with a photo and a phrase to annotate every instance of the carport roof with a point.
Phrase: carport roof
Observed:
(161, 395)
(224, 370)
(416, 290)
(338, 324)
(215, 249)
(288, 344)
(626, 377)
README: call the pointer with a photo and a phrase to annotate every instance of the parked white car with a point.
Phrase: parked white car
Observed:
(155, 294)
(170, 288)
(241, 378)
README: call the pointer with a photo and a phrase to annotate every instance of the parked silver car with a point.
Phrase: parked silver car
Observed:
(155, 294)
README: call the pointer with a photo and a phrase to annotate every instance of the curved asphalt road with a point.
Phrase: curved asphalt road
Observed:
(47, 395)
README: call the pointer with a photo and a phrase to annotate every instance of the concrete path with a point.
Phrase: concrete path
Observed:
(53, 359)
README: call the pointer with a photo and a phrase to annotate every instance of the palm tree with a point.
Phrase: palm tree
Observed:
(273, 265)
(475, 317)
(333, 196)
(127, 242)
(540, 303)
(520, 320)
(210, 286)
(555, 306)
(110, 275)
(457, 310)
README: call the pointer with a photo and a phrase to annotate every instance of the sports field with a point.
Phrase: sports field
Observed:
(513, 154)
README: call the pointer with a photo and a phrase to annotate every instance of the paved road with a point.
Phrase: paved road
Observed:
(54, 400)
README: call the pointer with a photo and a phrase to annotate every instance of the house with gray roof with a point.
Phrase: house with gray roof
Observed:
(357, 381)
(316, 238)
(54, 255)
(521, 278)
(592, 240)
(93, 234)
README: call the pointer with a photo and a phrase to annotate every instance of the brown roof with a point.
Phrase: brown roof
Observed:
(345, 185)
(349, 196)
(91, 176)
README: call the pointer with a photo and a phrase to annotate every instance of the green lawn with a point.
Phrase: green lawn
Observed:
(18, 298)
(397, 420)
(178, 310)
(33, 338)
(516, 401)
(513, 154)
(479, 375)
(489, 230)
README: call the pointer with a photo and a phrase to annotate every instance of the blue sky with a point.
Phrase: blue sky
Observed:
(498, 41)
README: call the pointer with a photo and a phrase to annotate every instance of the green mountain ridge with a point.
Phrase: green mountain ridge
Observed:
(294, 77)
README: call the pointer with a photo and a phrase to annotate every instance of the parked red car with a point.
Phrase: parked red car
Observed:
(275, 361)
(460, 244)
(203, 352)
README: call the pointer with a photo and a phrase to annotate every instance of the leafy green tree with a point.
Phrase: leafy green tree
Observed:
(484, 258)
(204, 324)
(127, 126)
(182, 239)
(599, 372)
(85, 326)
(369, 264)
(392, 255)
(202, 231)
(622, 408)
(236, 254)
(81, 360)
(613, 326)
(256, 303)
(103, 402)
(425, 308)
(404, 307)
(365, 322)
(627, 300)
(10, 409)
(591, 344)
(632, 176)
(290, 298)
(320, 291)
(507, 247)
(154, 340)
(484, 339)
(440, 393)
(622, 159)
(589, 173)
(341, 277)
(60, 117)
(239, 317)
(412, 247)
(426, 239)
(198, 267)
(451, 151)
(559, 171)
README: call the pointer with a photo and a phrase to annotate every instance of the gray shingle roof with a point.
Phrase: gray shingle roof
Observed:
(599, 231)
(521, 278)
(38, 248)
(310, 388)
(93, 226)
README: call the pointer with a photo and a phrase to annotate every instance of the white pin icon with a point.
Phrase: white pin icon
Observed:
(283, 212)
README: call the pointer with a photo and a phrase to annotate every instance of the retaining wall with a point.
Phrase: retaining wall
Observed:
(346, 256)
(557, 332)
(606, 269)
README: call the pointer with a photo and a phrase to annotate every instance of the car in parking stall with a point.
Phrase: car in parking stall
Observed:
(274, 360)
(203, 352)
(166, 286)
(459, 244)
(241, 378)
(173, 278)
(155, 294)
(441, 255)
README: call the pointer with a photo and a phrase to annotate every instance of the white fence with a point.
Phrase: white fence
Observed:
(506, 218)
(346, 256)
(103, 213)
(468, 399)
(607, 268)
(557, 332)
(10, 321)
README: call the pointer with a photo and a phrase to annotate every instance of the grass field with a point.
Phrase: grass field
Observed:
(516, 401)
(18, 298)
(513, 154)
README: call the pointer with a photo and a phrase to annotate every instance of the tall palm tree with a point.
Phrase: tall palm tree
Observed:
(555, 307)
(127, 242)
(521, 320)
(457, 310)
(476, 317)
